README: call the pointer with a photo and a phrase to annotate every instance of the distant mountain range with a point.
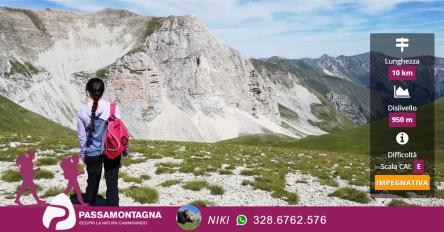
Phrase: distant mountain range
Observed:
(346, 96)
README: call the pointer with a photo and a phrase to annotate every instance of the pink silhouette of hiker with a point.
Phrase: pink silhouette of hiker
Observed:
(27, 170)
(69, 167)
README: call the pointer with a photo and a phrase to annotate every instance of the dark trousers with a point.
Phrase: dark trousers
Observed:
(94, 168)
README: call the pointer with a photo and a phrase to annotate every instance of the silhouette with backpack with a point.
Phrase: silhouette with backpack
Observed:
(27, 170)
(70, 172)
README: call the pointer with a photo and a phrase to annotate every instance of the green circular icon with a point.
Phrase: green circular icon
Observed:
(241, 220)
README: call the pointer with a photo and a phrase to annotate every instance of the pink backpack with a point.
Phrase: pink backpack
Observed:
(20, 159)
(116, 138)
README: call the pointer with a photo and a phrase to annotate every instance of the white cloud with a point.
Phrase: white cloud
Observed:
(377, 6)
(380, 6)
(292, 28)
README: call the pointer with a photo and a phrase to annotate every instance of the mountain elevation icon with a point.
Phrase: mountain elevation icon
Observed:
(400, 92)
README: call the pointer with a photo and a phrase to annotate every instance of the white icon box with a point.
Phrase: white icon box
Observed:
(402, 43)
(402, 138)
(399, 92)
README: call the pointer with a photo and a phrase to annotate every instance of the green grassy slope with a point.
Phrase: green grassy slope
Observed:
(355, 140)
(260, 139)
(16, 119)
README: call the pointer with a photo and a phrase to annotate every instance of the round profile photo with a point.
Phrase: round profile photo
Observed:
(188, 217)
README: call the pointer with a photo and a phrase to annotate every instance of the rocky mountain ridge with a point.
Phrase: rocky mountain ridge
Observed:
(173, 79)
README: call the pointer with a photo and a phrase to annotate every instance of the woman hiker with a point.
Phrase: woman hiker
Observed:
(91, 130)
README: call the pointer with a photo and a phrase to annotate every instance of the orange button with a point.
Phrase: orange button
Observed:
(402, 182)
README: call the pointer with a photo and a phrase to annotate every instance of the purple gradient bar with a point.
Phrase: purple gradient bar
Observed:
(29, 218)
(402, 119)
(402, 73)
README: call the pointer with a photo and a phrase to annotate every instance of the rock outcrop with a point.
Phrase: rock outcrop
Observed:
(343, 104)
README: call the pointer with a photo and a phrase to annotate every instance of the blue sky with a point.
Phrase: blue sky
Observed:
(287, 28)
(191, 208)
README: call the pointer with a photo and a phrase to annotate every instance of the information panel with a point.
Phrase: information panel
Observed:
(402, 113)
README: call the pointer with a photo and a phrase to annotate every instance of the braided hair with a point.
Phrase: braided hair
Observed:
(95, 88)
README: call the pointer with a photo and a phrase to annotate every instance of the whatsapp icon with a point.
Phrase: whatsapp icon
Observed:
(241, 220)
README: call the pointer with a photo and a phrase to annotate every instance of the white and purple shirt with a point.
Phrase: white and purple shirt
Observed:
(91, 144)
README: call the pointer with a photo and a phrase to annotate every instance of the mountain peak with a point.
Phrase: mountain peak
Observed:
(325, 56)
(111, 11)
(173, 79)
(174, 21)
